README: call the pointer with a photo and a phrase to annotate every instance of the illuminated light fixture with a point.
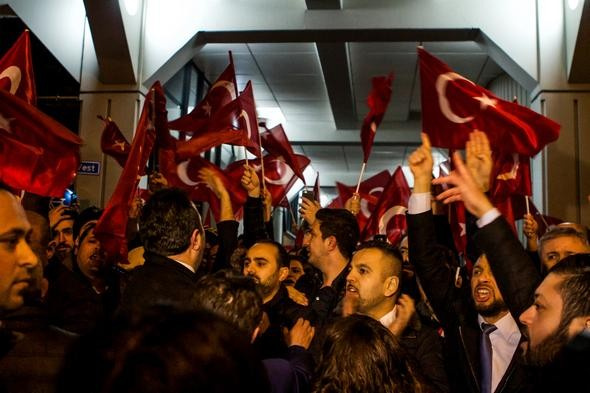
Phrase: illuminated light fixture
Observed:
(573, 4)
(131, 6)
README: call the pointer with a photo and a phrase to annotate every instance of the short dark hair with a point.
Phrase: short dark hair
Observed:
(167, 222)
(359, 354)
(389, 251)
(165, 350)
(557, 231)
(575, 270)
(282, 254)
(235, 298)
(341, 224)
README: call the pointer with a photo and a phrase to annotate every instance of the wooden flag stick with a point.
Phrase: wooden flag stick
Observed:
(263, 182)
(526, 199)
(358, 185)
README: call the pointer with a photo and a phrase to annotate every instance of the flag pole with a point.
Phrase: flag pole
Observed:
(261, 163)
(358, 185)
(526, 199)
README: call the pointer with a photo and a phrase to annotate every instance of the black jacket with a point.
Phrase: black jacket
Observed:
(454, 307)
(159, 281)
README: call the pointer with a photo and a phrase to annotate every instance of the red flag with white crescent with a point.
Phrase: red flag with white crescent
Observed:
(276, 143)
(113, 143)
(453, 106)
(377, 102)
(389, 216)
(221, 93)
(16, 70)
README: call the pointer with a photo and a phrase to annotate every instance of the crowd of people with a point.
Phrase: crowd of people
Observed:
(202, 310)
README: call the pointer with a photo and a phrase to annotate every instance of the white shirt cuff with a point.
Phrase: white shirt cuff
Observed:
(419, 203)
(488, 217)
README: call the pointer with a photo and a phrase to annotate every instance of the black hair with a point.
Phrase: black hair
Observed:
(167, 222)
(575, 286)
(233, 297)
(165, 350)
(341, 224)
(282, 254)
(390, 251)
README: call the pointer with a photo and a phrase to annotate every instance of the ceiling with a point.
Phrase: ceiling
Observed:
(292, 78)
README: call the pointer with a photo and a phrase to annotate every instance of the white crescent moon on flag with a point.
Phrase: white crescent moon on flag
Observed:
(285, 177)
(246, 117)
(183, 176)
(13, 73)
(384, 220)
(229, 86)
(443, 102)
(513, 171)
(365, 204)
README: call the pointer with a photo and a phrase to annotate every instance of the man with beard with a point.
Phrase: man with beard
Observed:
(480, 327)
(374, 289)
(558, 327)
(79, 299)
(61, 223)
(267, 262)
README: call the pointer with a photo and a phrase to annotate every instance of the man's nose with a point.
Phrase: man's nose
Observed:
(26, 257)
(62, 237)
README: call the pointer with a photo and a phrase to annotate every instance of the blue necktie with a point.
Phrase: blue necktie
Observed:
(485, 354)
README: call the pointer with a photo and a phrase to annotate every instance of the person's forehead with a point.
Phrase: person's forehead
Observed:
(482, 262)
(549, 288)
(262, 250)
(64, 224)
(561, 242)
(368, 256)
(12, 214)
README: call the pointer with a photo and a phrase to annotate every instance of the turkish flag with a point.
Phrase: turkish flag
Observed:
(511, 175)
(112, 225)
(16, 70)
(278, 176)
(457, 222)
(113, 143)
(316, 187)
(389, 216)
(275, 142)
(453, 106)
(369, 191)
(248, 119)
(543, 221)
(16, 161)
(50, 174)
(377, 101)
(184, 174)
(221, 93)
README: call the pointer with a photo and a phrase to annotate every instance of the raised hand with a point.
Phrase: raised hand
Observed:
(156, 182)
(353, 204)
(421, 165)
(267, 205)
(405, 310)
(479, 158)
(308, 209)
(530, 228)
(250, 182)
(300, 334)
(466, 189)
(209, 177)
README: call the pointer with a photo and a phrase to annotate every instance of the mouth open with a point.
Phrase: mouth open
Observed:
(482, 294)
(351, 289)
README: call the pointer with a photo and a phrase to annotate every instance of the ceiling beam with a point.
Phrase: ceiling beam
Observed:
(110, 42)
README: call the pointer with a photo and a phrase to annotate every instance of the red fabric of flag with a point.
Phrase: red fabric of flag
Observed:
(56, 168)
(112, 225)
(453, 106)
(248, 119)
(221, 93)
(369, 191)
(278, 176)
(113, 143)
(511, 175)
(377, 101)
(276, 143)
(389, 216)
(316, 187)
(16, 70)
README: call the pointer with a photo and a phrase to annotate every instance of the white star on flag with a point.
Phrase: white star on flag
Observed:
(463, 231)
(486, 101)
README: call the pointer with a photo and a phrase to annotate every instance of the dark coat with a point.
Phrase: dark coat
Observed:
(454, 307)
(159, 281)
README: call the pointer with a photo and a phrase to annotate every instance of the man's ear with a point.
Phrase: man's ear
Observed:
(76, 245)
(283, 273)
(578, 324)
(391, 285)
(331, 243)
(197, 240)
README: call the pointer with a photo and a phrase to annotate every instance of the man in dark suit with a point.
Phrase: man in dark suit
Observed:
(480, 321)
(173, 238)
